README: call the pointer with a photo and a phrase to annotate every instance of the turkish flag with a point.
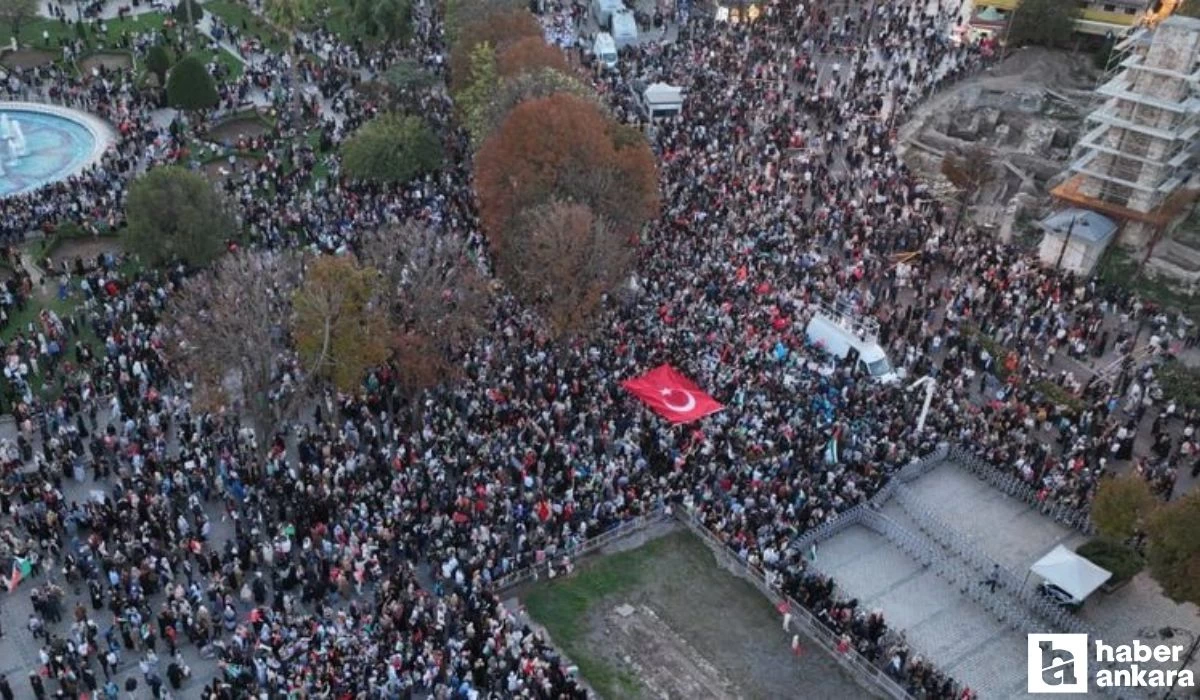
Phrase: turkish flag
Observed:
(672, 395)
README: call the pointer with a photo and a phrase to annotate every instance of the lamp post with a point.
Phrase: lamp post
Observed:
(1066, 240)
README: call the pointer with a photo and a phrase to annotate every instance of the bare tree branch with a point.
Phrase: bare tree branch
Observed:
(228, 334)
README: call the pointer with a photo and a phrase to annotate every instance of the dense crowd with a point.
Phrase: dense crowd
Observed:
(363, 552)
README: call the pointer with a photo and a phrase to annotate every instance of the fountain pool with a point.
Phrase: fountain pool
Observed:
(40, 144)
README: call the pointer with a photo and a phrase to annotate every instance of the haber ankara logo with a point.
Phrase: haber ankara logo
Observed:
(1058, 663)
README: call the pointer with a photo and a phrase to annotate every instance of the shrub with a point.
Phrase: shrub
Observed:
(1122, 560)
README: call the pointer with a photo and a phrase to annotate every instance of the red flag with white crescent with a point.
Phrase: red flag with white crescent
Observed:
(672, 395)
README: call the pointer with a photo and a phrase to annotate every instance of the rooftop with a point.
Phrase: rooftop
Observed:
(1182, 22)
(1081, 223)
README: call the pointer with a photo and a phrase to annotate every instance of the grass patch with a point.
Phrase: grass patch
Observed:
(233, 66)
(1118, 269)
(237, 14)
(563, 606)
(58, 31)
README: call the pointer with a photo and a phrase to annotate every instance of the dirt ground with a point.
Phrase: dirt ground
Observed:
(28, 58)
(111, 61)
(1025, 113)
(686, 629)
(230, 131)
(86, 249)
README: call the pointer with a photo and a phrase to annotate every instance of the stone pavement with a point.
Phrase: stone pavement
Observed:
(938, 621)
(957, 633)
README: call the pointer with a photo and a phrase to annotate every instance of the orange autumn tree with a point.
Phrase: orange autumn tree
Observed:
(530, 54)
(562, 147)
(339, 325)
(498, 28)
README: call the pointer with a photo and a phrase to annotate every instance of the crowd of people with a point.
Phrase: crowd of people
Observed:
(354, 555)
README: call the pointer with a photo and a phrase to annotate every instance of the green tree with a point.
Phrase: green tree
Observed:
(531, 85)
(1179, 382)
(1174, 548)
(474, 101)
(339, 325)
(389, 20)
(1122, 560)
(391, 148)
(183, 12)
(1120, 505)
(1041, 23)
(158, 62)
(1189, 8)
(190, 87)
(176, 215)
(15, 12)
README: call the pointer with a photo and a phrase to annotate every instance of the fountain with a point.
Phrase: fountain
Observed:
(41, 144)
(22, 149)
(13, 138)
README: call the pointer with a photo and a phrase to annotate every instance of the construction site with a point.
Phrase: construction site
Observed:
(1110, 138)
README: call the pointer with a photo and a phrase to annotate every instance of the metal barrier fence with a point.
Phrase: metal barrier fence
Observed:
(1013, 485)
(802, 621)
(626, 529)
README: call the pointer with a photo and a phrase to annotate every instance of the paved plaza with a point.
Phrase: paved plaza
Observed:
(942, 621)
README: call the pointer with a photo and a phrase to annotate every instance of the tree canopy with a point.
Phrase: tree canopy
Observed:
(1173, 551)
(529, 54)
(228, 334)
(391, 148)
(15, 12)
(529, 85)
(1120, 504)
(190, 87)
(1042, 23)
(176, 215)
(180, 12)
(339, 326)
(389, 20)
(562, 260)
(158, 62)
(562, 147)
(496, 27)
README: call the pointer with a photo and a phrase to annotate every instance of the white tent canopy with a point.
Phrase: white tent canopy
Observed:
(1070, 572)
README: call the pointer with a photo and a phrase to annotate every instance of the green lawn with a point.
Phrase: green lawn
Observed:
(231, 62)
(237, 14)
(562, 606)
(31, 32)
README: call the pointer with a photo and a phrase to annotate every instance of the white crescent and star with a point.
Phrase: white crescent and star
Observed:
(684, 407)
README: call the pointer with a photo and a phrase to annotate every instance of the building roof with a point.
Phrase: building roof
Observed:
(1182, 22)
(1088, 225)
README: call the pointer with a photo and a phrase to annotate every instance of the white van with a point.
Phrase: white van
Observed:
(605, 50)
(602, 11)
(661, 100)
(624, 28)
(836, 339)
